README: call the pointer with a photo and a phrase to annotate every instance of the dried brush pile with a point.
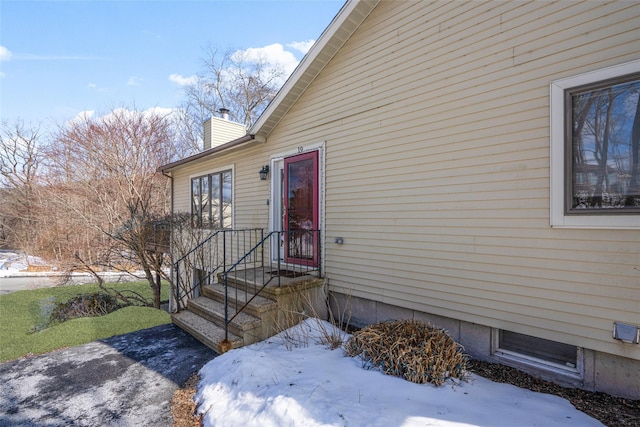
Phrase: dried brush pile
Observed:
(411, 350)
(84, 305)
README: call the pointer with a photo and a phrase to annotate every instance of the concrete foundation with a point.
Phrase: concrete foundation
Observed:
(611, 374)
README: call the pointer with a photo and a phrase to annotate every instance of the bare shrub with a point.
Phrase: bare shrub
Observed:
(411, 350)
(84, 305)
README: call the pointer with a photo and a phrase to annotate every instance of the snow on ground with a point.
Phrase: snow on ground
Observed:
(12, 262)
(273, 383)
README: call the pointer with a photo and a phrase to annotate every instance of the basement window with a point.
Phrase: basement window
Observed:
(537, 352)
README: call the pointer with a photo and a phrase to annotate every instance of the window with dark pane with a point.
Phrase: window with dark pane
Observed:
(603, 147)
(539, 348)
(211, 204)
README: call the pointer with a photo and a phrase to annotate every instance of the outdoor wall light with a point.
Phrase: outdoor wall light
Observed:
(264, 172)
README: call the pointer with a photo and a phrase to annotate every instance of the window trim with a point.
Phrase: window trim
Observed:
(558, 154)
(220, 170)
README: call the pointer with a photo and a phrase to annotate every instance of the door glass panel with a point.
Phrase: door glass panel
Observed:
(301, 218)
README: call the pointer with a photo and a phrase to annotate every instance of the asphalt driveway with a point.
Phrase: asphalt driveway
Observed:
(126, 380)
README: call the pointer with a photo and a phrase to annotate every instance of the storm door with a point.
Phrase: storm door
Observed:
(300, 216)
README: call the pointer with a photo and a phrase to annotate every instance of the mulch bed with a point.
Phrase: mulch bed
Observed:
(610, 411)
(183, 408)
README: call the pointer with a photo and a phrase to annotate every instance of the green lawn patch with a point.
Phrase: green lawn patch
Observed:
(24, 319)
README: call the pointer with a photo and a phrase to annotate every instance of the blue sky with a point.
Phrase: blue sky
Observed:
(61, 58)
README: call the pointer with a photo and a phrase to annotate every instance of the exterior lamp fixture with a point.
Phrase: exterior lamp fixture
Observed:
(264, 172)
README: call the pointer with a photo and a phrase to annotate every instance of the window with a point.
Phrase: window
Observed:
(538, 348)
(211, 204)
(526, 350)
(595, 149)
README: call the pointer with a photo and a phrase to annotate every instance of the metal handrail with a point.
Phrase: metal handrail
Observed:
(311, 264)
(185, 288)
(243, 250)
(176, 265)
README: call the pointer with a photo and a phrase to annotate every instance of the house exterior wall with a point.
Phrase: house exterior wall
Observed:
(435, 117)
(249, 196)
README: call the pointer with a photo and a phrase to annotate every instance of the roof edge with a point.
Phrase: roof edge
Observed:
(344, 17)
(223, 147)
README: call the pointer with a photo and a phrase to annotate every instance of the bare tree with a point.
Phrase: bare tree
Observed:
(239, 81)
(103, 174)
(20, 164)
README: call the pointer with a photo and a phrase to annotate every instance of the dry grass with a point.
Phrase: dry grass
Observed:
(37, 269)
(303, 308)
(411, 350)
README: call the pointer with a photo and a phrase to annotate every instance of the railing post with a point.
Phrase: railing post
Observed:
(262, 253)
(281, 235)
(224, 251)
(177, 285)
(226, 306)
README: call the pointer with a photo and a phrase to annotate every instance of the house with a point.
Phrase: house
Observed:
(436, 146)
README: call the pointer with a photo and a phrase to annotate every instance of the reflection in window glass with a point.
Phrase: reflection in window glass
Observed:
(211, 205)
(206, 195)
(196, 200)
(215, 200)
(604, 172)
(226, 199)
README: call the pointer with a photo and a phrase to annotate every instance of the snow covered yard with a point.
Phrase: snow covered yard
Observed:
(12, 262)
(276, 383)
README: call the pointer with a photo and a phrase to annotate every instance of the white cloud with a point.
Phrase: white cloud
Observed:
(2, 75)
(82, 116)
(120, 112)
(134, 81)
(302, 46)
(5, 54)
(274, 54)
(92, 85)
(180, 80)
(159, 111)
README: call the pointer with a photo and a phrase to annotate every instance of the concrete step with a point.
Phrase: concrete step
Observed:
(258, 306)
(213, 311)
(205, 331)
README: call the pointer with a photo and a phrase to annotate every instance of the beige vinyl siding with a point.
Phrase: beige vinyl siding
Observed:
(435, 117)
(436, 122)
(223, 131)
(250, 194)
